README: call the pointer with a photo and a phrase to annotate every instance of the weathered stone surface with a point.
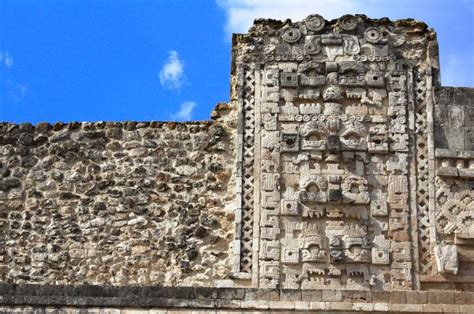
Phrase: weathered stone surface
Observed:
(155, 209)
(333, 106)
(9, 183)
(446, 258)
(305, 188)
(345, 162)
(85, 298)
(454, 118)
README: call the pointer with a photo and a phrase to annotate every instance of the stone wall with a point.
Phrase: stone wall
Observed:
(362, 166)
(339, 177)
(454, 118)
(161, 300)
(453, 216)
(116, 203)
(341, 113)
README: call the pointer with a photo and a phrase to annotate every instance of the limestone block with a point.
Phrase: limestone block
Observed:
(446, 258)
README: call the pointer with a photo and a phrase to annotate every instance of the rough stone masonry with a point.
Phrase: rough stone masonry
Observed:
(339, 177)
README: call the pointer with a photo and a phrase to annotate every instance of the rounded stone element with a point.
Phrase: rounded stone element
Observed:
(315, 22)
(291, 35)
(348, 22)
(312, 45)
(372, 35)
(332, 92)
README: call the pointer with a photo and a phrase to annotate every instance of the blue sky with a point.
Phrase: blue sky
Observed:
(98, 60)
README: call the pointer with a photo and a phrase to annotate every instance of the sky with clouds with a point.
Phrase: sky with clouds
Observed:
(100, 60)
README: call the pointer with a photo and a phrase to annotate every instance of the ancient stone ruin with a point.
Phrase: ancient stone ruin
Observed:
(339, 177)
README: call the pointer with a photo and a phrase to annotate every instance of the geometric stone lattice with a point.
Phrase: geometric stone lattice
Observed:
(422, 174)
(248, 179)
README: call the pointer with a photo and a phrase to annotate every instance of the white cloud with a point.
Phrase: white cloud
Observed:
(185, 112)
(19, 92)
(172, 73)
(15, 91)
(241, 13)
(6, 59)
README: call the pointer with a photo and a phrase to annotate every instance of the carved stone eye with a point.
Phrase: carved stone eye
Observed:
(372, 35)
(348, 22)
(290, 141)
(291, 35)
(312, 188)
(355, 189)
(315, 22)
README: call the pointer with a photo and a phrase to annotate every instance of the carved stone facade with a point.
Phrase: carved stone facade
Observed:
(344, 188)
(339, 177)
(453, 211)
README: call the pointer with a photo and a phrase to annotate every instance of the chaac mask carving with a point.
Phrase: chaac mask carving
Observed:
(335, 132)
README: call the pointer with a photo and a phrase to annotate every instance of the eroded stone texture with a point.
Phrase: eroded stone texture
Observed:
(446, 258)
(453, 213)
(117, 203)
(454, 118)
(343, 188)
(340, 167)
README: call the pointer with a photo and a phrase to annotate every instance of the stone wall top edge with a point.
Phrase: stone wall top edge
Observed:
(408, 22)
(454, 88)
(27, 126)
(107, 123)
(219, 110)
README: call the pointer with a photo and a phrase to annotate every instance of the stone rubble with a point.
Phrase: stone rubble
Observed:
(131, 203)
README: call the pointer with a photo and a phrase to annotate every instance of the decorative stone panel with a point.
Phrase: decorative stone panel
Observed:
(343, 190)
